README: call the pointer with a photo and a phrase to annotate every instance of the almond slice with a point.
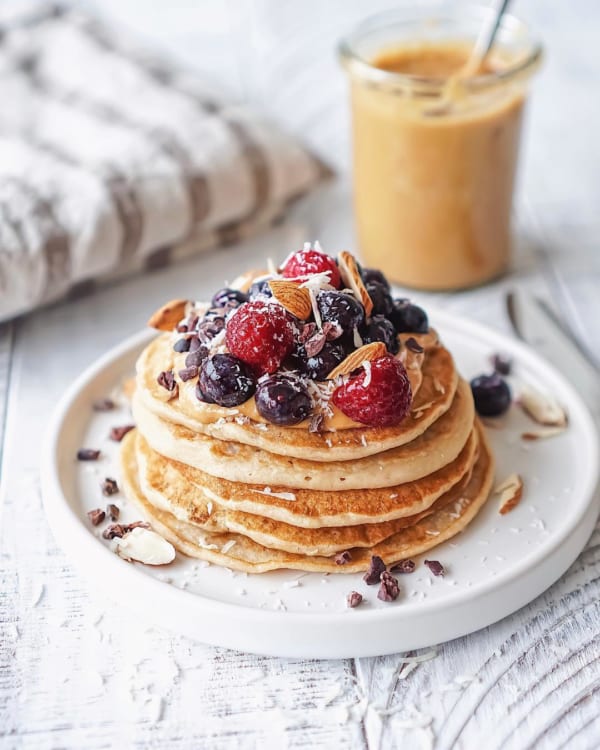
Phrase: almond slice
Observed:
(366, 353)
(510, 492)
(167, 316)
(543, 409)
(541, 434)
(295, 299)
(351, 278)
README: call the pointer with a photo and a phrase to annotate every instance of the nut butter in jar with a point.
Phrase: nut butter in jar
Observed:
(435, 150)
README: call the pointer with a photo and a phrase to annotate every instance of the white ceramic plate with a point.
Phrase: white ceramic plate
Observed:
(497, 565)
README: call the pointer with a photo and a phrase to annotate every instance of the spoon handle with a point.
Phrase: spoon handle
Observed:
(486, 37)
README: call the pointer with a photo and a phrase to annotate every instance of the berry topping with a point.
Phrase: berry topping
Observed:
(491, 395)
(381, 329)
(225, 380)
(260, 334)
(379, 395)
(341, 309)
(308, 262)
(381, 298)
(320, 365)
(260, 288)
(283, 399)
(228, 298)
(407, 317)
(373, 275)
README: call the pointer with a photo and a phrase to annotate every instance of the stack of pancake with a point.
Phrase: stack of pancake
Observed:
(228, 487)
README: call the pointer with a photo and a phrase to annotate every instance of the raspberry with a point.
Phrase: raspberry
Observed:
(261, 335)
(308, 262)
(383, 401)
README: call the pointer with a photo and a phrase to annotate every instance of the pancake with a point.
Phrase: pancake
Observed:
(239, 552)
(433, 398)
(432, 450)
(216, 504)
(167, 489)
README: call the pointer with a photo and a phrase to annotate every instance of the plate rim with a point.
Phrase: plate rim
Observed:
(64, 520)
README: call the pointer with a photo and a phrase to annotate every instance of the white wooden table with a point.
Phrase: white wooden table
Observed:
(75, 672)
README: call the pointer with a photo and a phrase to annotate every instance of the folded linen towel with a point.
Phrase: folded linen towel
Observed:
(112, 161)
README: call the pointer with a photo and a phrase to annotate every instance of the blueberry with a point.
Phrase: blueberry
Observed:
(380, 328)
(260, 288)
(181, 345)
(373, 275)
(408, 318)
(228, 298)
(319, 366)
(340, 308)
(381, 298)
(491, 395)
(283, 399)
(225, 380)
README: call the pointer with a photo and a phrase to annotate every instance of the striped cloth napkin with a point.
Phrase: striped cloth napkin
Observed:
(112, 161)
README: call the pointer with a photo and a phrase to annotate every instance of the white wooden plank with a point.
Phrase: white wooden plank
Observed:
(77, 673)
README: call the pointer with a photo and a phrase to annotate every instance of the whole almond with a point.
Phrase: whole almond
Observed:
(167, 316)
(293, 297)
(368, 352)
(351, 278)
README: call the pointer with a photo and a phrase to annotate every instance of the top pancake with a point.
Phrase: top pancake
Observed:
(437, 386)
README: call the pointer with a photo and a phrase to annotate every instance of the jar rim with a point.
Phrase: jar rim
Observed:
(353, 62)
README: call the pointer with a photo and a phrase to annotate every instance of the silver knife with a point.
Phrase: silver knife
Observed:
(534, 322)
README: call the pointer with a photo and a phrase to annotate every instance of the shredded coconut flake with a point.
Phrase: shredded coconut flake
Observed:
(281, 495)
(227, 546)
(367, 367)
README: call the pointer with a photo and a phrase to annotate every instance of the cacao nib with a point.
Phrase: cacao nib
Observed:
(109, 486)
(376, 568)
(120, 529)
(404, 566)
(196, 357)
(343, 557)
(112, 511)
(435, 567)
(412, 344)
(118, 433)
(389, 589)
(103, 404)
(354, 599)
(188, 373)
(332, 330)
(88, 454)
(307, 331)
(96, 516)
(167, 380)
(314, 344)
(501, 364)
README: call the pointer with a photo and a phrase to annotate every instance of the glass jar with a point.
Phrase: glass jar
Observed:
(435, 152)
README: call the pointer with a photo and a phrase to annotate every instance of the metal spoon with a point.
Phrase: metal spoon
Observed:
(485, 40)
